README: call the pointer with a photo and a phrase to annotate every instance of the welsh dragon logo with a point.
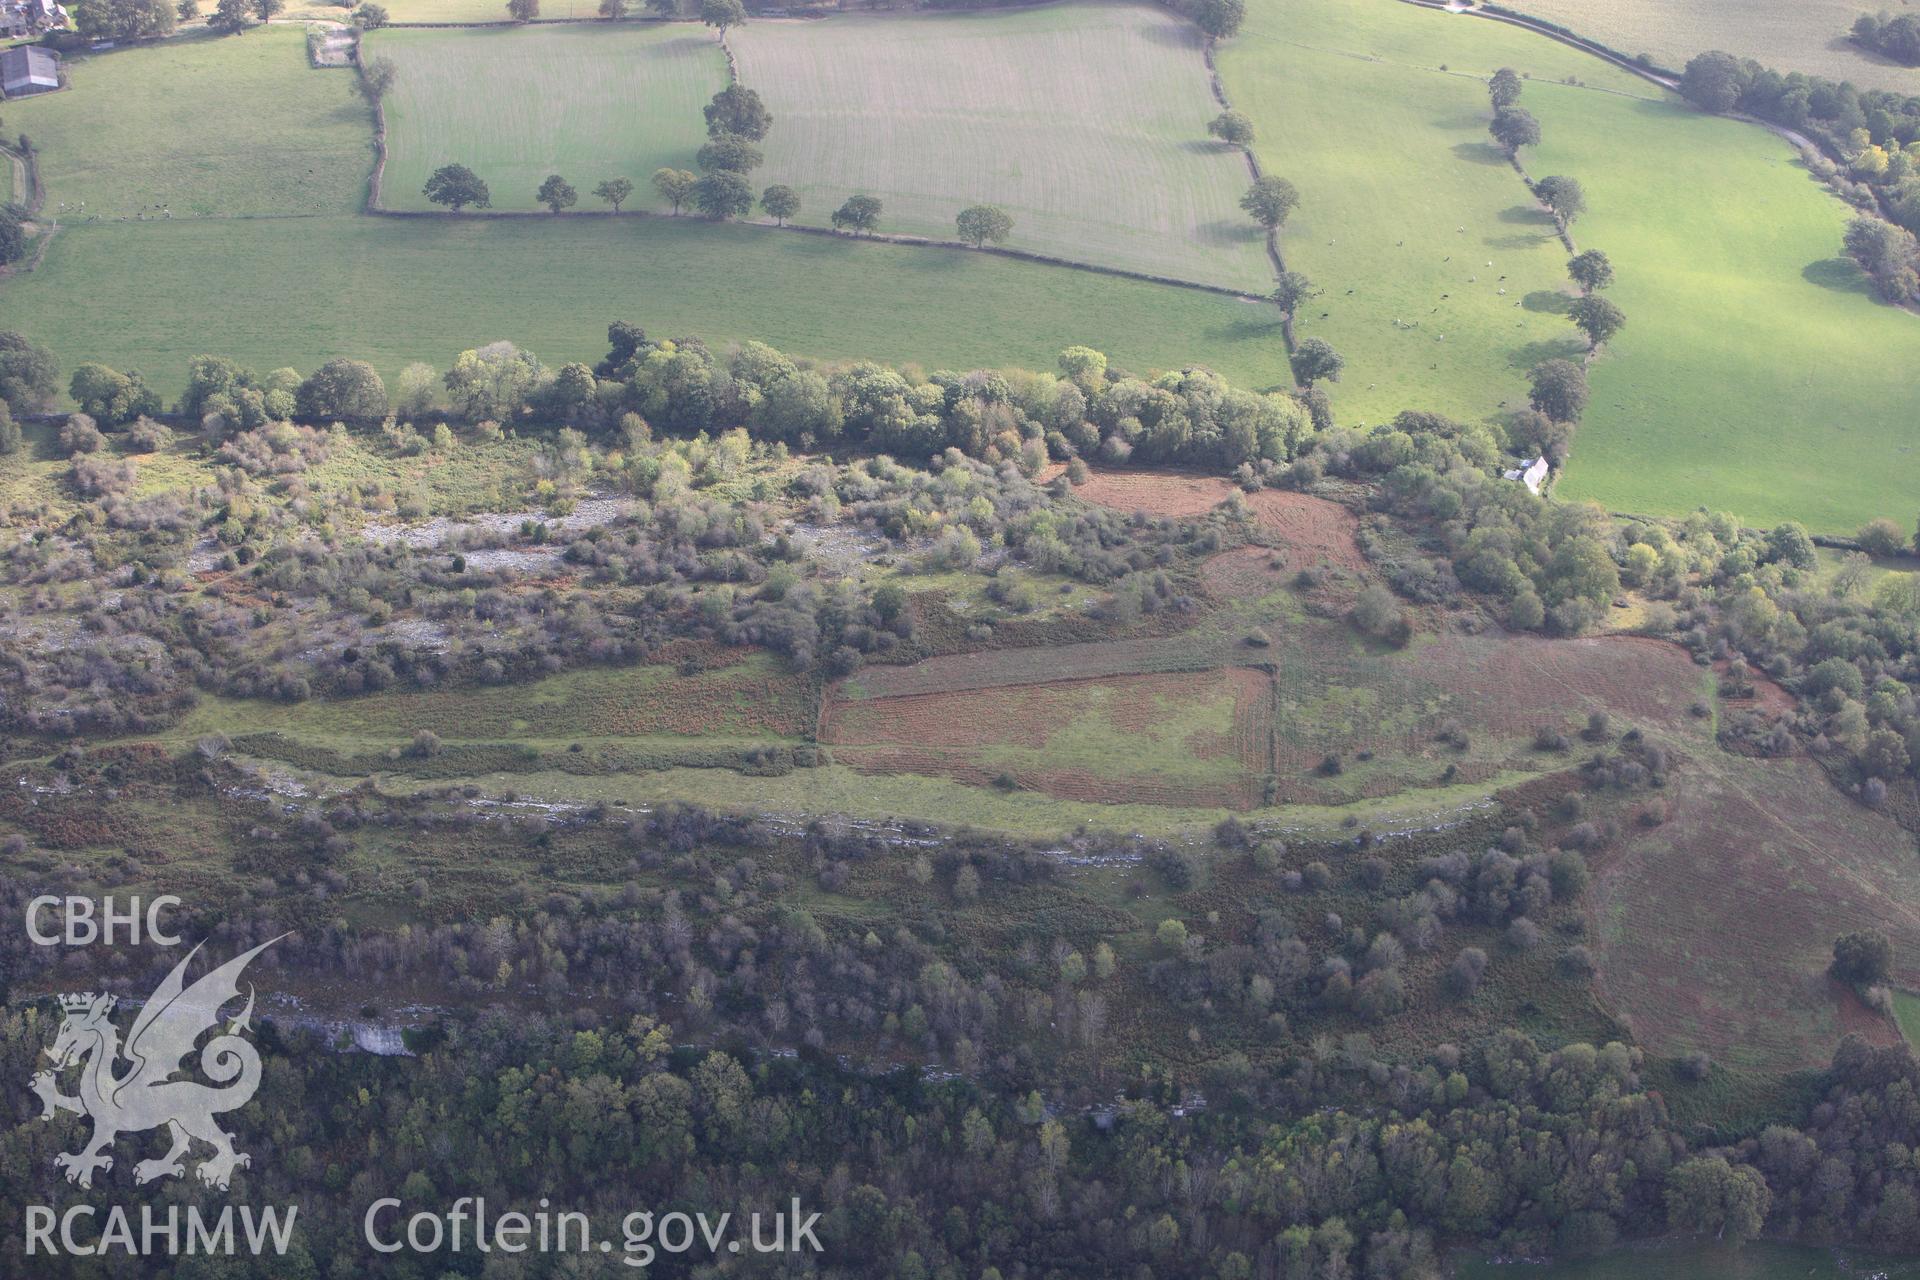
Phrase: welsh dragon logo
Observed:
(144, 1095)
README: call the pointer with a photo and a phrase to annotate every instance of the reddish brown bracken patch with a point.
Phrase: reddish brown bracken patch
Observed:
(1156, 493)
(1311, 530)
(941, 734)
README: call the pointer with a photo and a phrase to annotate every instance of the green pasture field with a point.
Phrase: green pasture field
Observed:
(514, 104)
(1756, 374)
(1087, 123)
(749, 701)
(200, 126)
(394, 290)
(451, 10)
(1787, 35)
(1378, 113)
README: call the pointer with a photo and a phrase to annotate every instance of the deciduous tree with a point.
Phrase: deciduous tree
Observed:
(675, 186)
(1269, 200)
(1597, 317)
(1317, 361)
(723, 195)
(456, 186)
(738, 110)
(1232, 128)
(860, 214)
(781, 202)
(615, 191)
(557, 193)
(1514, 128)
(984, 224)
(1591, 270)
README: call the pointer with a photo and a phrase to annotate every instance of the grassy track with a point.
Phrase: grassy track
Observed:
(1756, 374)
(1391, 156)
(1787, 35)
(516, 104)
(204, 127)
(1086, 122)
(393, 290)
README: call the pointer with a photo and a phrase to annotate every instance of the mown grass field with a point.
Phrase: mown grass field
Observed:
(1756, 374)
(515, 104)
(396, 290)
(1085, 122)
(1787, 35)
(1378, 113)
(200, 126)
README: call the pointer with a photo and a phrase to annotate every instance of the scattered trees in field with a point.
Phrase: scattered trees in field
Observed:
(523, 10)
(1503, 90)
(1292, 289)
(556, 193)
(1597, 317)
(738, 110)
(984, 224)
(1591, 269)
(1317, 361)
(1714, 81)
(110, 396)
(230, 17)
(1514, 128)
(723, 194)
(13, 238)
(613, 10)
(187, 10)
(1220, 19)
(371, 16)
(377, 75)
(730, 153)
(721, 14)
(1564, 196)
(676, 186)
(860, 214)
(1269, 200)
(615, 191)
(456, 186)
(267, 10)
(347, 390)
(1895, 37)
(1882, 537)
(780, 202)
(79, 434)
(1559, 389)
(1862, 959)
(1889, 255)
(1233, 128)
(125, 19)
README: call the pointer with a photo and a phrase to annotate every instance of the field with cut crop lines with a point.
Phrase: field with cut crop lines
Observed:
(588, 102)
(1085, 122)
(1787, 35)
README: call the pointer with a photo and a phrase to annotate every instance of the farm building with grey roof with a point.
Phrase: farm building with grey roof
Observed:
(28, 70)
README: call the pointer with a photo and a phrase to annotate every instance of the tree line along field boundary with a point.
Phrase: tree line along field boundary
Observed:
(376, 208)
(1274, 257)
